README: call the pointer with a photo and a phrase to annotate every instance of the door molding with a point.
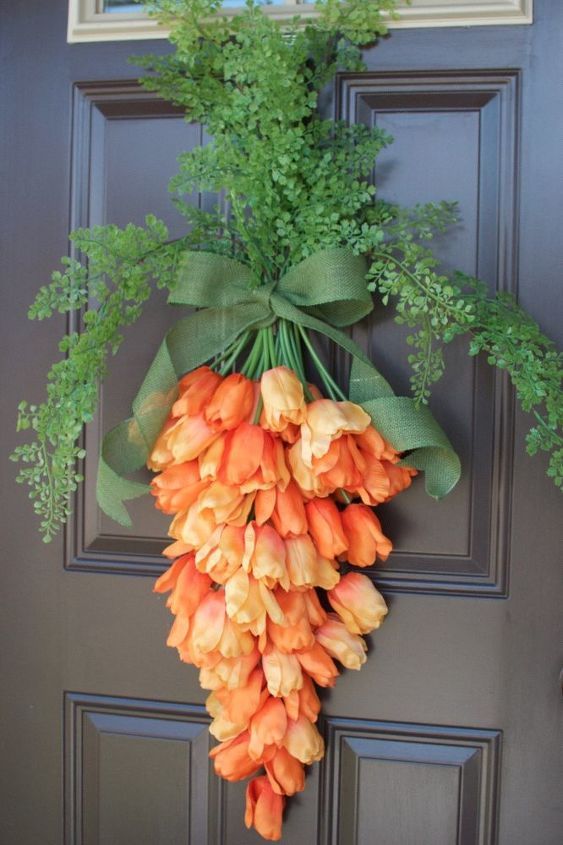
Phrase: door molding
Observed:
(87, 23)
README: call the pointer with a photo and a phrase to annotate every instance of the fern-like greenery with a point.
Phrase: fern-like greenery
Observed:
(293, 184)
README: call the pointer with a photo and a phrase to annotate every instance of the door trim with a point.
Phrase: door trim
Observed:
(87, 23)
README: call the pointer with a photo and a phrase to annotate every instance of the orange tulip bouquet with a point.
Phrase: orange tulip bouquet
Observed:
(271, 468)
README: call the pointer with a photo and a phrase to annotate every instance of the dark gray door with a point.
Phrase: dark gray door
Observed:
(450, 733)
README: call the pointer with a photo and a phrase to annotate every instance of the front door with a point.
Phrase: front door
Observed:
(448, 734)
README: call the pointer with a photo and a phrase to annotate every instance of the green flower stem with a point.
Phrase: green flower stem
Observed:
(332, 388)
(254, 357)
(231, 354)
(271, 346)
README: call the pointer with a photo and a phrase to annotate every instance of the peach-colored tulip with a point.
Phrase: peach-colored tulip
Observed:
(248, 601)
(360, 606)
(366, 541)
(305, 567)
(326, 421)
(285, 773)
(283, 398)
(349, 649)
(319, 665)
(303, 741)
(221, 556)
(230, 673)
(231, 403)
(189, 437)
(264, 809)
(161, 456)
(265, 555)
(315, 611)
(208, 622)
(325, 527)
(282, 671)
(209, 461)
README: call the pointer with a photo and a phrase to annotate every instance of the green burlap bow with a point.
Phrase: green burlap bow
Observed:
(325, 292)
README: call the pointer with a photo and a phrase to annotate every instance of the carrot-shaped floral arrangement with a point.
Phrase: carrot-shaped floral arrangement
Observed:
(270, 493)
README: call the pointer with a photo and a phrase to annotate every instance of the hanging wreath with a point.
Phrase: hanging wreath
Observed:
(270, 470)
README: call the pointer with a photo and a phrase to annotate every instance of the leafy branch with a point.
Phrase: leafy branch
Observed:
(440, 308)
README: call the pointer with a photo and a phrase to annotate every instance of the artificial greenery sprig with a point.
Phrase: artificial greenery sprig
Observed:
(293, 184)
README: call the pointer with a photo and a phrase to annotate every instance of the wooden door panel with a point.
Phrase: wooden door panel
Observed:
(455, 138)
(403, 784)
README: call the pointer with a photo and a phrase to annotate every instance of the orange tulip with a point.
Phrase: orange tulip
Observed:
(325, 527)
(232, 710)
(283, 398)
(400, 478)
(284, 508)
(326, 421)
(177, 487)
(371, 442)
(231, 403)
(366, 541)
(244, 701)
(348, 648)
(339, 468)
(303, 741)
(188, 586)
(232, 760)
(309, 702)
(296, 632)
(271, 470)
(360, 606)
(244, 446)
(282, 671)
(305, 567)
(319, 665)
(267, 727)
(167, 581)
(376, 487)
(195, 391)
(285, 773)
(264, 809)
